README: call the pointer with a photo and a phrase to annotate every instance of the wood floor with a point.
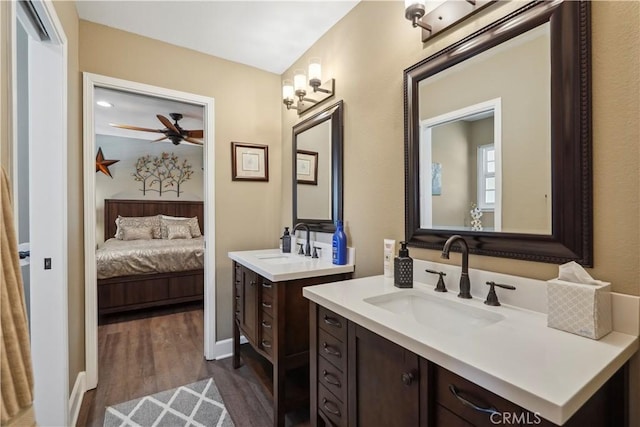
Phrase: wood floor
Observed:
(164, 350)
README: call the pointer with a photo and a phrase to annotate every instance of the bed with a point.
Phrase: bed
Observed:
(172, 271)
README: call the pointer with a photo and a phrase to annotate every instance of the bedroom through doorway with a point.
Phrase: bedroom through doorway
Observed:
(149, 209)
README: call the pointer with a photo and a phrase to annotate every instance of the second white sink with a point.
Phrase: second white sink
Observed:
(434, 312)
(282, 258)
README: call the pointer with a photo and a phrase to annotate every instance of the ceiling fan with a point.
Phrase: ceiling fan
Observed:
(172, 131)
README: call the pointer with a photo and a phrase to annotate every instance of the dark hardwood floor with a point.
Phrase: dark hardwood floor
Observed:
(153, 351)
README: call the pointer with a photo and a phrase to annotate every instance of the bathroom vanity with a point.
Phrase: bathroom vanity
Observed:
(273, 316)
(385, 356)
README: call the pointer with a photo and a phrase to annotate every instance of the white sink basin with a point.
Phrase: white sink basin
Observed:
(434, 312)
(282, 258)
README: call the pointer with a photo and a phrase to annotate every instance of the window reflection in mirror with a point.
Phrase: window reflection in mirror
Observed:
(497, 104)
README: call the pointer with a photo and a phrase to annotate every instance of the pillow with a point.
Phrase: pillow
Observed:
(136, 233)
(138, 221)
(192, 223)
(178, 231)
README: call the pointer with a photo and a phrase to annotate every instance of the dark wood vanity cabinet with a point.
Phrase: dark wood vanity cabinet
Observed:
(274, 318)
(359, 378)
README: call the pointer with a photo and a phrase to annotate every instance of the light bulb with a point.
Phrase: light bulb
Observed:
(299, 80)
(315, 70)
(287, 90)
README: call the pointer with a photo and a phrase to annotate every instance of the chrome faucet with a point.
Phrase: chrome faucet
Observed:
(307, 247)
(465, 285)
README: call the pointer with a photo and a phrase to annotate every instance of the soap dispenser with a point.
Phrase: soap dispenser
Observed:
(403, 268)
(286, 241)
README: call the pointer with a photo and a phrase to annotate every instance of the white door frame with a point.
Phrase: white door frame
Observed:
(91, 81)
(425, 156)
(48, 81)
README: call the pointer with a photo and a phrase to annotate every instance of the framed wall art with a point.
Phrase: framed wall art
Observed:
(307, 167)
(249, 162)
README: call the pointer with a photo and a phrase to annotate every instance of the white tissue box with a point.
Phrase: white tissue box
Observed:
(578, 308)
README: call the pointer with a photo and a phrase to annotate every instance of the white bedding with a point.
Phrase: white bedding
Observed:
(130, 257)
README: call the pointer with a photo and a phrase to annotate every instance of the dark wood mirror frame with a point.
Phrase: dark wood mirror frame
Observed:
(572, 206)
(335, 114)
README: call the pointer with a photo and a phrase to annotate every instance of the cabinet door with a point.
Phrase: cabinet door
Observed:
(384, 381)
(249, 304)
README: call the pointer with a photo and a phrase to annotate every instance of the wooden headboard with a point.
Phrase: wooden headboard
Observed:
(115, 207)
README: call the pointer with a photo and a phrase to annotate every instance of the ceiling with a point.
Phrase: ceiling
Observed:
(269, 35)
(140, 110)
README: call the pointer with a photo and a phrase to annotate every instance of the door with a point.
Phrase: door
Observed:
(384, 382)
(249, 304)
(39, 120)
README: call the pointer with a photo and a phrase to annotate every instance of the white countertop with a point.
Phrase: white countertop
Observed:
(272, 264)
(542, 369)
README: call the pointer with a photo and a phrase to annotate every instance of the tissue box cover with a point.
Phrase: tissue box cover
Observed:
(578, 308)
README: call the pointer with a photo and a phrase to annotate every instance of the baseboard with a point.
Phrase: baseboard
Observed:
(75, 400)
(224, 348)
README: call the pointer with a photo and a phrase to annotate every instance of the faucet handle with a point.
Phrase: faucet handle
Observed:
(315, 251)
(492, 297)
(440, 287)
(301, 250)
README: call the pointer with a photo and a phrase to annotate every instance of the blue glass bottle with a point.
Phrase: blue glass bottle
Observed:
(339, 245)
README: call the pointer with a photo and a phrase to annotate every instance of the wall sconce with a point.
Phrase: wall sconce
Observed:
(442, 17)
(295, 92)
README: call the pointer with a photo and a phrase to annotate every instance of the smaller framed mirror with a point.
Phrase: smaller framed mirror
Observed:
(317, 169)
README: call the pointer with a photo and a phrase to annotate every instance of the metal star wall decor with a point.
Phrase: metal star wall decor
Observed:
(102, 164)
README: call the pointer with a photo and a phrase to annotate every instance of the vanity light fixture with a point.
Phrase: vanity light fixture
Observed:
(447, 14)
(297, 96)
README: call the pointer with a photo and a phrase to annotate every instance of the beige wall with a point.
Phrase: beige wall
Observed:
(367, 62)
(450, 147)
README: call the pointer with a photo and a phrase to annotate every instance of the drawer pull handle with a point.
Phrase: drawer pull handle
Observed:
(331, 379)
(266, 305)
(252, 283)
(408, 377)
(331, 350)
(266, 324)
(325, 405)
(332, 321)
(465, 402)
(267, 285)
(237, 296)
(266, 344)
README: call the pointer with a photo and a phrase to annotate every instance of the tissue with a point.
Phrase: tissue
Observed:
(578, 303)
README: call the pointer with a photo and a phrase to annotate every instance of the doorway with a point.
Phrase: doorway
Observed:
(92, 83)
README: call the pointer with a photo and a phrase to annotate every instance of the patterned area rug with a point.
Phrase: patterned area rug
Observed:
(198, 404)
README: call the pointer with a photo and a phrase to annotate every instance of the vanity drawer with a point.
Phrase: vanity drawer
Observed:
(267, 288)
(267, 304)
(331, 407)
(266, 326)
(330, 377)
(333, 323)
(332, 350)
(447, 383)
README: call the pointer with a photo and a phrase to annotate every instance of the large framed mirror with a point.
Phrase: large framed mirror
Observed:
(317, 169)
(498, 138)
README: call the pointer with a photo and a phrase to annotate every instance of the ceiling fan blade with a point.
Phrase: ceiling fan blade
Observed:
(168, 123)
(193, 141)
(160, 139)
(115, 125)
(195, 133)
